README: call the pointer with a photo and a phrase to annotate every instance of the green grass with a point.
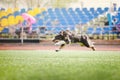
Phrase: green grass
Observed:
(64, 65)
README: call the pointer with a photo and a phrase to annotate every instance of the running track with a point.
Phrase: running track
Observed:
(51, 46)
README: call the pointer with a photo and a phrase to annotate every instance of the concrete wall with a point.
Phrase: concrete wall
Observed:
(83, 3)
(95, 3)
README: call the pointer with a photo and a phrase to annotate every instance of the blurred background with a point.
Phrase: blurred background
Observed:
(100, 19)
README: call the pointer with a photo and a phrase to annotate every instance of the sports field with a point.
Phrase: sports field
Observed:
(63, 65)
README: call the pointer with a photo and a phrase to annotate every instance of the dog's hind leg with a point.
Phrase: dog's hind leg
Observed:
(61, 44)
(61, 47)
(93, 48)
(88, 43)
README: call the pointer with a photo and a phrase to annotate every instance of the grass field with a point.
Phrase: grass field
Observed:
(64, 65)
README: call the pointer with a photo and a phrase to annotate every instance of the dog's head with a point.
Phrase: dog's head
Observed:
(58, 38)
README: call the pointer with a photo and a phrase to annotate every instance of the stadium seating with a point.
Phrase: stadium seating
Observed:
(16, 13)
(57, 18)
(5, 31)
(90, 30)
(18, 18)
(106, 30)
(106, 9)
(98, 31)
(4, 22)
(22, 10)
(11, 20)
(9, 11)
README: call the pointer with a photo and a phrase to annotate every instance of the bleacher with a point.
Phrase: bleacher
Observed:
(57, 19)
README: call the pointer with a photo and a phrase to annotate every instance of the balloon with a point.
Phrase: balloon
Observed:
(29, 18)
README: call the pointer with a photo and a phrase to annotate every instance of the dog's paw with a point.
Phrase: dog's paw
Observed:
(57, 50)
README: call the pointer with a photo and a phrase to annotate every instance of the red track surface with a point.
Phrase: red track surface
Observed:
(51, 46)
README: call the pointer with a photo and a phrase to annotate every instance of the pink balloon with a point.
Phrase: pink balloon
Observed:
(29, 18)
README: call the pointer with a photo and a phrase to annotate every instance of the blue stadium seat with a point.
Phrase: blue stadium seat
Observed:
(95, 14)
(48, 23)
(119, 9)
(50, 10)
(46, 18)
(98, 31)
(44, 13)
(106, 30)
(100, 11)
(80, 13)
(74, 16)
(70, 27)
(70, 22)
(90, 30)
(106, 9)
(5, 31)
(51, 14)
(22, 10)
(9, 15)
(3, 17)
(38, 16)
(63, 22)
(35, 26)
(92, 10)
(40, 22)
(57, 29)
(85, 10)
(16, 13)
(63, 10)
(57, 9)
